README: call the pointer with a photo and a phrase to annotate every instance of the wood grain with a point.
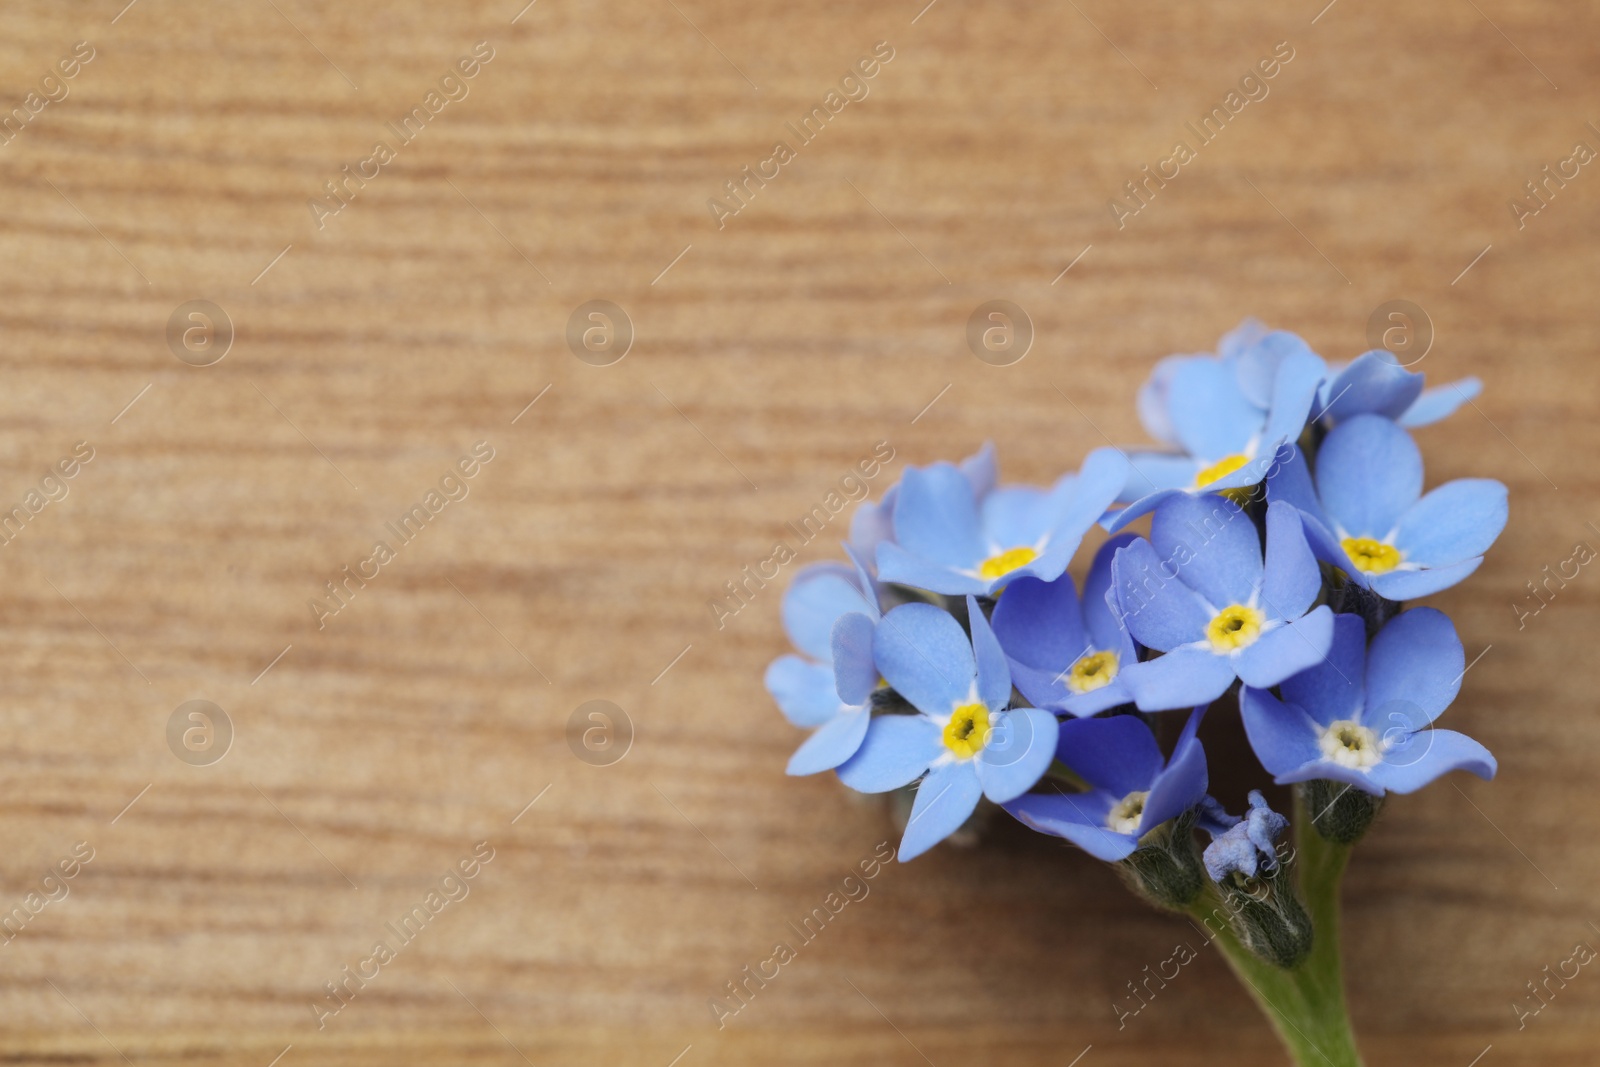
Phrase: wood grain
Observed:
(429, 312)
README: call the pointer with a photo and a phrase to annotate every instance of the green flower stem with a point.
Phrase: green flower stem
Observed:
(1305, 1003)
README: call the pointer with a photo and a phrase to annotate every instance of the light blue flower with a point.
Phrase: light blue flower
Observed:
(830, 611)
(1200, 592)
(873, 523)
(1154, 394)
(947, 540)
(1132, 789)
(1367, 516)
(1375, 384)
(1066, 654)
(963, 738)
(1246, 845)
(1364, 717)
(1440, 402)
(1231, 414)
(1372, 383)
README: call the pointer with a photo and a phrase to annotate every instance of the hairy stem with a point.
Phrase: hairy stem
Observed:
(1305, 1003)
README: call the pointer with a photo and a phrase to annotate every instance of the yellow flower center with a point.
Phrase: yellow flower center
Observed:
(1220, 469)
(1092, 672)
(1006, 562)
(1350, 744)
(1234, 627)
(1369, 556)
(967, 731)
(1127, 813)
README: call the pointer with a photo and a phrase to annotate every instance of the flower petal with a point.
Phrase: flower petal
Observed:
(1160, 611)
(895, 751)
(1141, 507)
(1294, 389)
(1369, 472)
(1183, 678)
(1020, 749)
(1326, 769)
(864, 579)
(925, 655)
(981, 470)
(1333, 689)
(1118, 755)
(1040, 624)
(1444, 751)
(1042, 688)
(1416, 660)
(1286, 650)
(1094, 489)
(1292, 578)
(1214, 545)
(1454, 522)
(1150, 472)
(834, 743)
(854, 672)
(1099, 619)
(1016, 516)
(1210, 414)
(945, 799)
(1327, 548)
(872, 524)
(1440, 402)
(1240, 339)
(1113, 694)
(1152, 398)
(1282, 735)
(898, 566)
(1183, 781)
(1078, 817)
(994, 677)
(1290, 481)
(1372, 384)
(820, 593)
(936, 516)
(1260, 364)
(804, 690)
(1412, 585)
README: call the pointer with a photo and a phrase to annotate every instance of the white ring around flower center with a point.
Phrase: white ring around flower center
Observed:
(1349, 744)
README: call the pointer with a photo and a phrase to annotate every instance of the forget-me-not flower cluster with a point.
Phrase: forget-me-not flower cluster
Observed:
(1288, 518)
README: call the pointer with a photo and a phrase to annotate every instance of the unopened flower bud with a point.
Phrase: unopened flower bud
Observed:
(1266, 916)
(1339, 812)
(1165, 868)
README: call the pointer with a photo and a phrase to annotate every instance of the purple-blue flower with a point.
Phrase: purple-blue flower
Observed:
(1132, 789)
(963, 737)
(948, 540)
(1366, 513)
(1364, 716)
(830, 611)
(1200, 592)
(872, 524)
(1375, 384)
(1066, 654)
(1231, 414)
(1246, 845)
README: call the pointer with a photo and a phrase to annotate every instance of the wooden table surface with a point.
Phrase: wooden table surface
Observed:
(374, 347)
